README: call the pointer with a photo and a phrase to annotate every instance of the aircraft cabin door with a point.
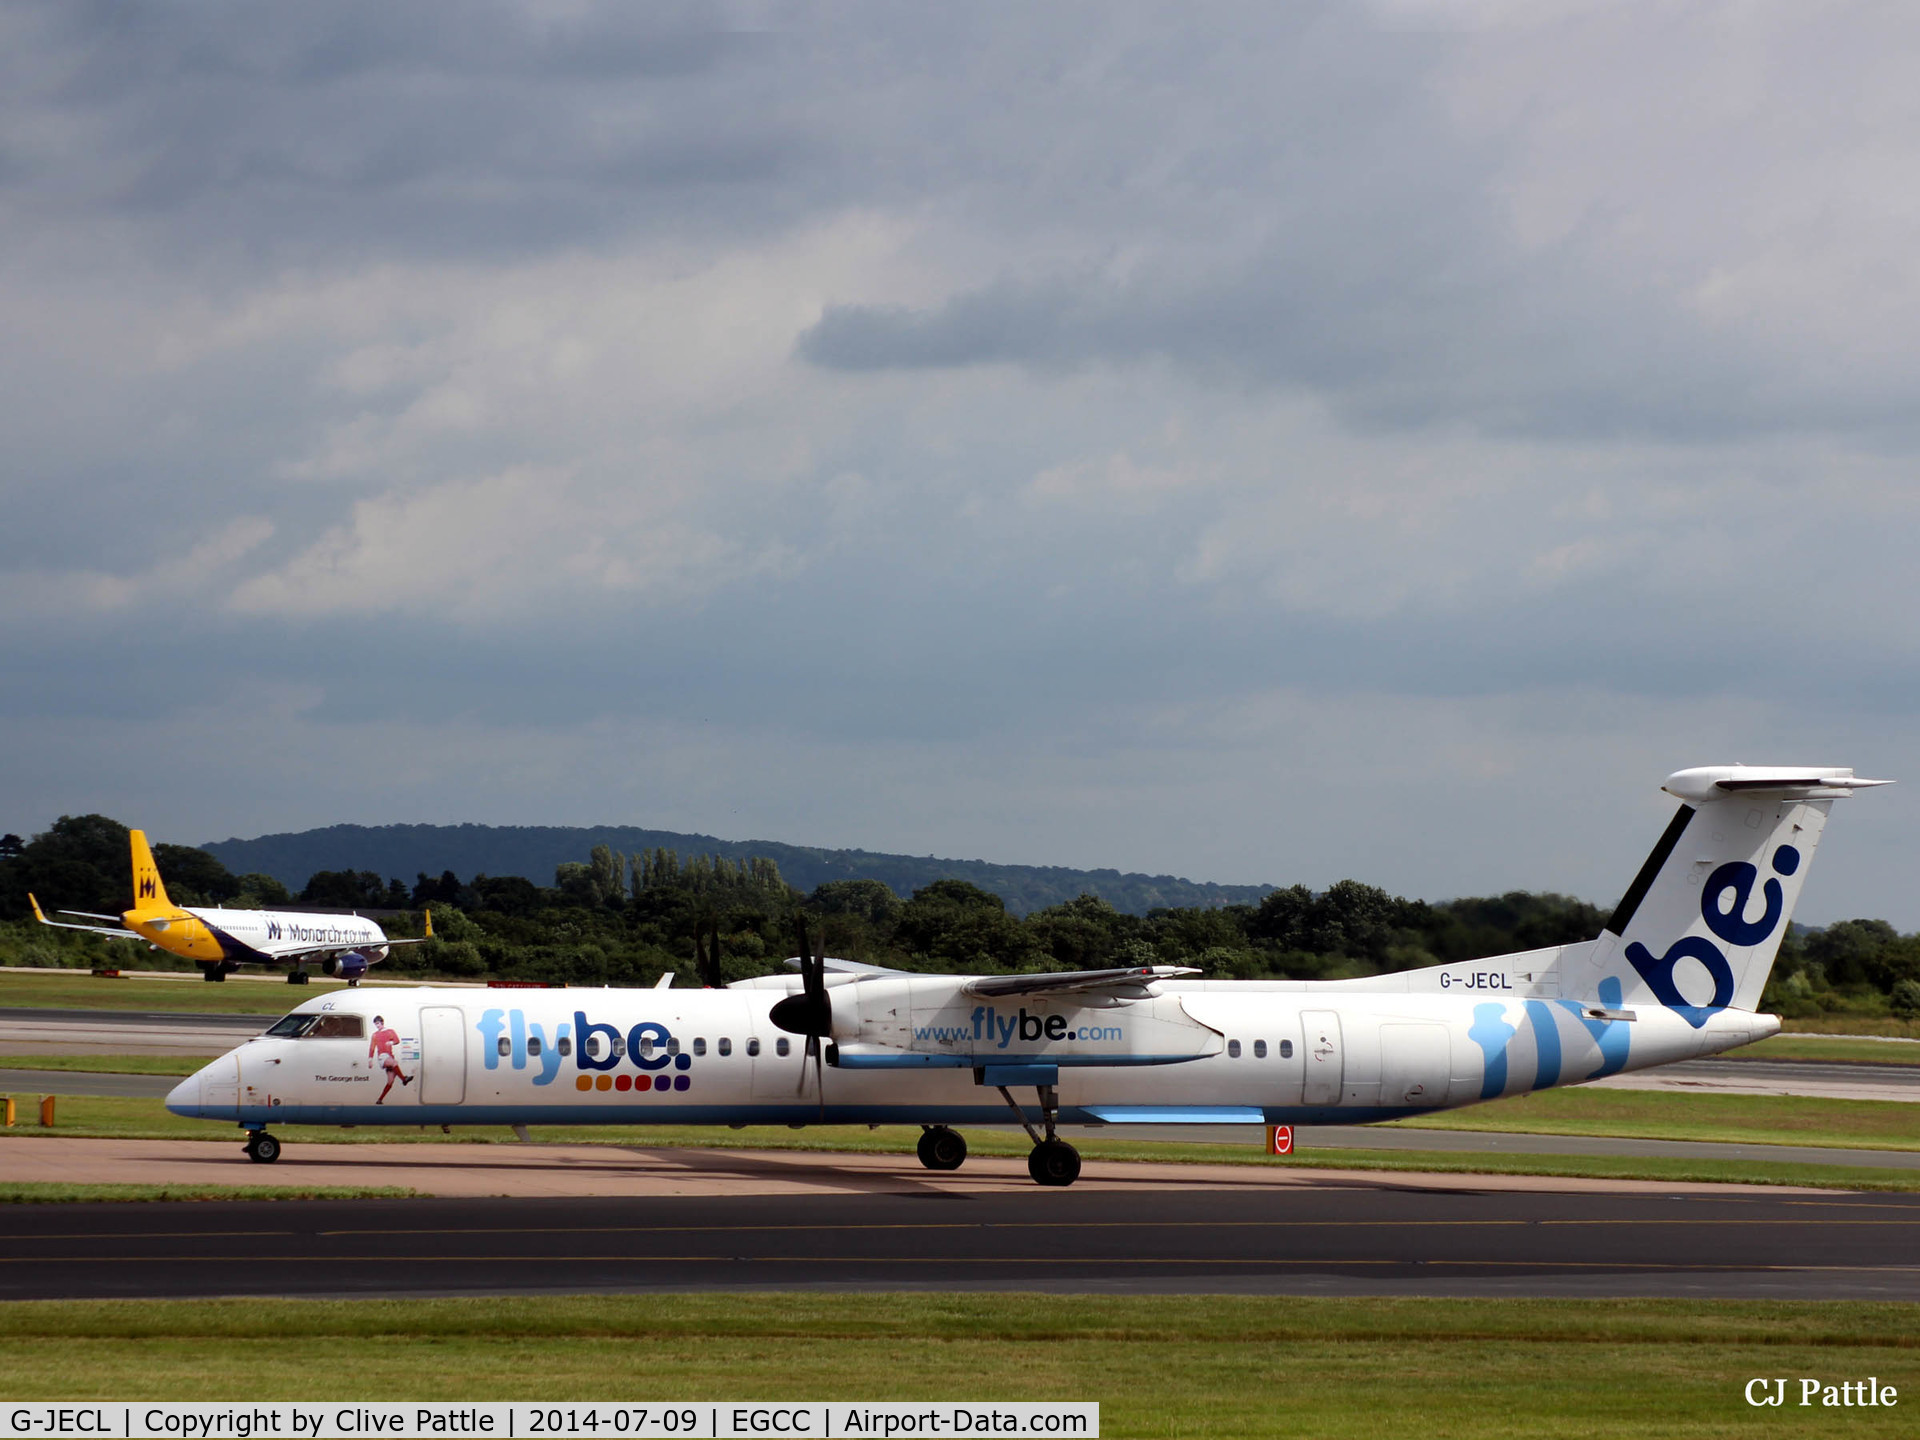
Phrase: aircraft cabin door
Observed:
(1321, 1031)
(443, 1055)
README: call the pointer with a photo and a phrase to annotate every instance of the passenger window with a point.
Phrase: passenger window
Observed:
(699, 1045)
(753, 1045)
(503, 1045)
(338, 1027)
(726, 1046)
(565, 1045)
(646, 1046)
(1286, 1049)
(1259, 1049)
(673, 1045)
(780, 1046)
(533, 1045)
(599, 1047)
(1233, 1049)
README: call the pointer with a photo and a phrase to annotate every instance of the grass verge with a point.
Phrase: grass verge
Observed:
(1837, 1047)
(1663, 1115)
(105, 1064)
(1162, 1365)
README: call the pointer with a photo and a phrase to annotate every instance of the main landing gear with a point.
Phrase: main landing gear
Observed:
(941, 1148)
(262, 1148)
(1052, 1160)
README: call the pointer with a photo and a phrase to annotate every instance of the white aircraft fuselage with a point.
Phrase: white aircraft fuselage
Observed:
(1198, 1051)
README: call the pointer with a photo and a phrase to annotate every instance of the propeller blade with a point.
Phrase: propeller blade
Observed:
(820, 1075)
(812, 1042)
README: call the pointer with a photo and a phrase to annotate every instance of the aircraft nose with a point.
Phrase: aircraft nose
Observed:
(184, 1098)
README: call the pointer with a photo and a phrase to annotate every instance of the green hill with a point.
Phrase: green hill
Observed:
(533, 851)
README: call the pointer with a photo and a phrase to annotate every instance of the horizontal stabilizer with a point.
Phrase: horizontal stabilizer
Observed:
(1714, 782)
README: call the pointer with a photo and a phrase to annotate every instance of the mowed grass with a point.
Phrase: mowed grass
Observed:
(1855, 1025)
(97, 1116)
(105, 1064)
(1663, 1115)
(1820, 1047)
(1158, 1366)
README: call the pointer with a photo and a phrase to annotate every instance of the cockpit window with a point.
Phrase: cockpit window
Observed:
(322, 1026)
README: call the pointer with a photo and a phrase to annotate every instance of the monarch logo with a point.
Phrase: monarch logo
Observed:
(273, 929)
(1729, 922)
(149, 887)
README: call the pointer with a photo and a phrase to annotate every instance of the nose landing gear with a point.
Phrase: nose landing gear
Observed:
(262, 1148)
(1052, 1161)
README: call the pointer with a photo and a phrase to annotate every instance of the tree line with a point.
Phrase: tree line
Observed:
(616, 918)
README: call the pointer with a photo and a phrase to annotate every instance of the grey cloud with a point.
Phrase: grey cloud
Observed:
(323, 133)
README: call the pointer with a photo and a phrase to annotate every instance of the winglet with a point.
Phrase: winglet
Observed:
(429, 915)
(37, 913)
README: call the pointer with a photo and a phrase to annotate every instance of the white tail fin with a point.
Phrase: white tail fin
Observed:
(1699, 928)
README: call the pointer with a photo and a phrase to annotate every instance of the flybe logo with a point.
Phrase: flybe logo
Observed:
(1733, 884)
(598, 1052)
(1000, 1031)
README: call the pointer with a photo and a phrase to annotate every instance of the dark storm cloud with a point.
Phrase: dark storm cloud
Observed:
(366, 129)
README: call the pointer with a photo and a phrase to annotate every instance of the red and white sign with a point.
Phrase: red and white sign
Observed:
(1279, 1140)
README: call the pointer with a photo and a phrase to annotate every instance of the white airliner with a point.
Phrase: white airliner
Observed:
(222, 940)
(1676, 973)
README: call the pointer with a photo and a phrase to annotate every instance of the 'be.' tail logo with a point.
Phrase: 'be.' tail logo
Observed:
(1729, 924)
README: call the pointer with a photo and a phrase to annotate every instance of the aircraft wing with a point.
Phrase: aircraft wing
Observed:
(849, 967)
(1131, 981)
(116, 932)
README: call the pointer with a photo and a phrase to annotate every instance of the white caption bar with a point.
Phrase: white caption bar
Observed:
(525, 1420)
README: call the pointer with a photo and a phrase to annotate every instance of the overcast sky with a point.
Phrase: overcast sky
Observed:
(1261, 443)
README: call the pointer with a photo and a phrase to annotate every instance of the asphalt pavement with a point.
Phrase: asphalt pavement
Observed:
(1347, 1237)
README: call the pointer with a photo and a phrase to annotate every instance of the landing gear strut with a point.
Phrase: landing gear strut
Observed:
(941, 1148)
(1052, 1161)
(262, 1148)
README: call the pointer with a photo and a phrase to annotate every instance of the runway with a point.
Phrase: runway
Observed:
(1330, 1235)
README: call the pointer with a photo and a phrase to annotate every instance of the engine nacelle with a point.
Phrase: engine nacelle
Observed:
(348, 965)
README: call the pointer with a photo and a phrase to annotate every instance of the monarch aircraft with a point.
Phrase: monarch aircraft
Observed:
(1677, 972)
(220, 941)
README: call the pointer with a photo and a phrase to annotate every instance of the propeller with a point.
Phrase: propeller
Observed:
(706, 953)
(810, 1013)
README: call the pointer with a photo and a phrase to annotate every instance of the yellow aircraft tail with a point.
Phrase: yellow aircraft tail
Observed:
(149, 894)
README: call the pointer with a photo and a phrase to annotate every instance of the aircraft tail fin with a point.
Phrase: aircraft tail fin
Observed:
(1699, 928)
(148, 891)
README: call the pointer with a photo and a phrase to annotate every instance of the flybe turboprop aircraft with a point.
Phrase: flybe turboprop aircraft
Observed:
(1676, 973)
(222, 940)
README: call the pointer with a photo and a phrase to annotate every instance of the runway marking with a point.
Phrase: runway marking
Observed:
(1024, 1261)
(1079, 1225)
